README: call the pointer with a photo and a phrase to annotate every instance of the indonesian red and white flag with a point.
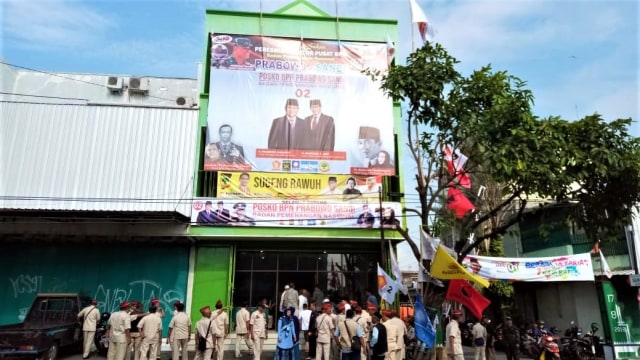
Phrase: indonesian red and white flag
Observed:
(391, 50)
(455, 166)
(457, 202)
(425, 27)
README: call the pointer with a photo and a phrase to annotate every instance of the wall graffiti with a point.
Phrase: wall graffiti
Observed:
(26, 284)
(109, 299)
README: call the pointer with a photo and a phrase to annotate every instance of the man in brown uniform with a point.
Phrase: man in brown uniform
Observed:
(119, 335)
(220, 328)
(325, 327)
(242, 324)
(90, 316)
(258, 331)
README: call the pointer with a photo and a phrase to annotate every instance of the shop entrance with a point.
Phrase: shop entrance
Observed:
(262, 274)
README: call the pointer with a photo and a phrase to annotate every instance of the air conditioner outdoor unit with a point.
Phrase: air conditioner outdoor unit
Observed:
(114, 84)
(185, 101)
(138, 85)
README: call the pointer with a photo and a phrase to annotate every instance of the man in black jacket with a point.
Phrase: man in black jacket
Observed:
(511, 336)
(378, 341)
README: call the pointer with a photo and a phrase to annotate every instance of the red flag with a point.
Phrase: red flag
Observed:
(455, 166)
(467, 295)
(457, 202)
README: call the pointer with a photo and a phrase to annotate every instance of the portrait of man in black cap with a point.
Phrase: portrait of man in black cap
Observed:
(289, 132)
(242, 52)
(332, 188)
(241, 218)
(368, 147)
(322, 130)
(206, 216)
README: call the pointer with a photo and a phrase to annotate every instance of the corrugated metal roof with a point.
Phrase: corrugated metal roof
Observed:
(96, 158)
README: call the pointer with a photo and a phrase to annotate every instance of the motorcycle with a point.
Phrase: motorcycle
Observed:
(550, 349)
(528, 345)
(592, 346)
(101, 340)
(571, 344)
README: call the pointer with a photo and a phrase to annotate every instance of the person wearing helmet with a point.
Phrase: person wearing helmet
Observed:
(540, 329)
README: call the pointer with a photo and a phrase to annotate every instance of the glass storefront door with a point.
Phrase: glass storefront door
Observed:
(263, 274)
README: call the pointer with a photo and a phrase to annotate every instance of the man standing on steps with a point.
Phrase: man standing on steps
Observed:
(325, 327)
(258, 331)
(180, 332)
(242, 324)
(220, 326)
(90, 316)
(204, 330)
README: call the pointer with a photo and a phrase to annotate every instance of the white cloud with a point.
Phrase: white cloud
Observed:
(51, 24)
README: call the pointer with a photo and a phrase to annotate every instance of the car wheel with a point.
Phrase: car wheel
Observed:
(50, 354)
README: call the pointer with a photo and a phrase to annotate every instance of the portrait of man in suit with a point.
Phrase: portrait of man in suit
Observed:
(322, 130)
(222, 215)
(288, 132)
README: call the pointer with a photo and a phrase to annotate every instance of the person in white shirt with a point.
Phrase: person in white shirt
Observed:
(479, 332)
(180, 332)
(150, 329)
(258, 331)
(242, 321)
(119, 333)
(305, 317)
(90, 316)
(220, 327)
(204, 330)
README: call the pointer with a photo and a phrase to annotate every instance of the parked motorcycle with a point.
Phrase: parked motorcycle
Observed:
(593, 347)
(101, 340)
(528, 345)
(550, 349)
(572, 346)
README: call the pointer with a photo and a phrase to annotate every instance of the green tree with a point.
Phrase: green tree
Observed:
(515, 155)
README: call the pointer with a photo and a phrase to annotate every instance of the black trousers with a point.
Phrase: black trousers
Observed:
(312, 346)
(512, 353)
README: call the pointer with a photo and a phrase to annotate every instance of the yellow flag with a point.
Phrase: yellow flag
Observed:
(444, 266)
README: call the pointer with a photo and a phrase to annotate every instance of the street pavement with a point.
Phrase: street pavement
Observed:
(266, 355)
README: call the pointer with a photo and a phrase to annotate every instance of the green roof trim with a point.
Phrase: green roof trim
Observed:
(235, 232)
(301, 7)
(249, 14)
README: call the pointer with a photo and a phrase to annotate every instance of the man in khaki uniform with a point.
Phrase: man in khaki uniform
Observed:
(393, 336)
(454, 337)
(258, 331)
(155, 302)
(242, 323)
(150, 329)
(91, 315)
(136, 339)
(403, 330)
(343, 334)
(364, 320)
(119, 335)
(204, 328)
(180, 332)
(220, 327)
(325, 327)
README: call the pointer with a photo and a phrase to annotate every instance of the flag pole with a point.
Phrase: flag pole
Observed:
(384, 258)
(413, 47)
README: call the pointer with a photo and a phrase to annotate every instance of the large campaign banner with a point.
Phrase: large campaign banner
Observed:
(576, 267)
(276, 102)
(294, 213)
(263, 185)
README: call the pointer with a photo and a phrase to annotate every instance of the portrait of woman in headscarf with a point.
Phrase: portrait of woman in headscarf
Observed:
(288, 331)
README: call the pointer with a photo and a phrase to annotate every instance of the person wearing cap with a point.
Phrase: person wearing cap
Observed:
(366, 218)
(322, 130)
(364, 320)
(241, 218)
(242, 324)
(402, 328)
(479, 332)
(454, 337)
(284, 293)
(206, 215)
(378, 339)
(325, 327)
(241, 53)
(150, 328)
(511, 338)
(205, 332)
(155, 302)
(119, 328)
(220, 327)
(350, 192)
(258, 330)
(394, 335)
(291, 298)
(368, 147)
(179, 332)
(230, 152)
(289, 132)
(222, 215)
(89, 316)
(331, 189)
